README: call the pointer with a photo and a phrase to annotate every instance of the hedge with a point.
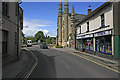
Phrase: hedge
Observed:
(59, 46)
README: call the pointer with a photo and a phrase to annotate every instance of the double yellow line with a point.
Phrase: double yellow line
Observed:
(94, 62)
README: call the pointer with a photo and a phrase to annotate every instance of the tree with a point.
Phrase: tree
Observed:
(23, 35)
(40, 36)
(52, 40)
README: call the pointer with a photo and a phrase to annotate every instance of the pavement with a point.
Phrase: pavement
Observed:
(18, 69)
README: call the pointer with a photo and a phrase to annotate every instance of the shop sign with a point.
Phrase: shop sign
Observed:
(103, 33)
(85, 36)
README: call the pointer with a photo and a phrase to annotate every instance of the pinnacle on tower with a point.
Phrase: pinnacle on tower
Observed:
(60, 8)
(66, 9)
(73, 11)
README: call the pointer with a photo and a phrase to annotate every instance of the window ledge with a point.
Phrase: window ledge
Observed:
(6, 15)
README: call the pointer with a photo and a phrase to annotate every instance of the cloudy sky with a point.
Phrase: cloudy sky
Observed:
(42, 16)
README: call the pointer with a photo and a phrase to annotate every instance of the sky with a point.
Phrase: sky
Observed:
(42, 16)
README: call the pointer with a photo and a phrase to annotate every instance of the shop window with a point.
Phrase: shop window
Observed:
(102, 21)
(100, 44)
(79, 44)
(97, 45)
(84, 43)
(108, 45)
(104, 44)
(89, 44)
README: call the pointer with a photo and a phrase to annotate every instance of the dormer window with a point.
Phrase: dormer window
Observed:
(102, 21)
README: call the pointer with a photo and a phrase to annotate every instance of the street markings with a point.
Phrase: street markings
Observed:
(65, 64)
(34, 66)
(94, 62)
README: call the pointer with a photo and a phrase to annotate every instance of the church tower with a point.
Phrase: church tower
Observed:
(72, 30)
(66, 13)
(60, 24)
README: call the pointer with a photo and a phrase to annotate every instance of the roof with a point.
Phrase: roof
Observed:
(94, 12)
(79, 17)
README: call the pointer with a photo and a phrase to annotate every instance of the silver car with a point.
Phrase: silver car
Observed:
(43, 46)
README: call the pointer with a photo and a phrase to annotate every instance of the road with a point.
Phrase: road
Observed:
(58, 64)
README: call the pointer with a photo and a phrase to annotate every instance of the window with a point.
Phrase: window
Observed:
(87, 26)
(4, 41)
(104, 44)
(16, 10)
(102, 21)
(79, 44)
(5, 8)
(80, 29)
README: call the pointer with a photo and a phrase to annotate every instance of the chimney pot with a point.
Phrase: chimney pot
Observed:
(89, 6)
(89, 10)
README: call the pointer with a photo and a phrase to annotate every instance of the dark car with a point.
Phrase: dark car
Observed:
(43, 46)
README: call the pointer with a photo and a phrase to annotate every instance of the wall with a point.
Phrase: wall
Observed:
(95, 21)
(116, 13)
(0, 41)
(10, 25)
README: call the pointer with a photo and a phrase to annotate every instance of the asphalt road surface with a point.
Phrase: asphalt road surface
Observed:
(58, 64)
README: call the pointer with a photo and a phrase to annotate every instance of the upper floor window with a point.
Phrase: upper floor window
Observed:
(102, 21)
(5, 8)
(16, 10)
(80, 29)
(87, 26)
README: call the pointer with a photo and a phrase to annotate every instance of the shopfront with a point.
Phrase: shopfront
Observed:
(85, 42)
(103, 42)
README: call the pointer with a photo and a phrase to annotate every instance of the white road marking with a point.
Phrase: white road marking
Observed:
(65, 64)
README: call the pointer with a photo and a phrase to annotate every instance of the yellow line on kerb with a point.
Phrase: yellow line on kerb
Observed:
(94, 62)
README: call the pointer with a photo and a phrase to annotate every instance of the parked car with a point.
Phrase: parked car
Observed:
(29, 43)
(35, 43)
(43, 46)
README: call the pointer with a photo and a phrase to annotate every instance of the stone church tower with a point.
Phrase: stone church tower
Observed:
(66, 25)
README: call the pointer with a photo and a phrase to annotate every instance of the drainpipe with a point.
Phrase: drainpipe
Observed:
(18, 29)
(75, 36)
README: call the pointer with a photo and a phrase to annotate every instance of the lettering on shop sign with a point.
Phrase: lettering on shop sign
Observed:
(103, 33)
(85, 36)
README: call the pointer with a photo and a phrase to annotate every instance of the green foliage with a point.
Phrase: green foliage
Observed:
(40, 36)
(59, 46)
(30, 38)
(52, 40)
(23, 35)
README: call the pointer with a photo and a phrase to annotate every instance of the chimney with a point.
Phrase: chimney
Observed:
(89, 10)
